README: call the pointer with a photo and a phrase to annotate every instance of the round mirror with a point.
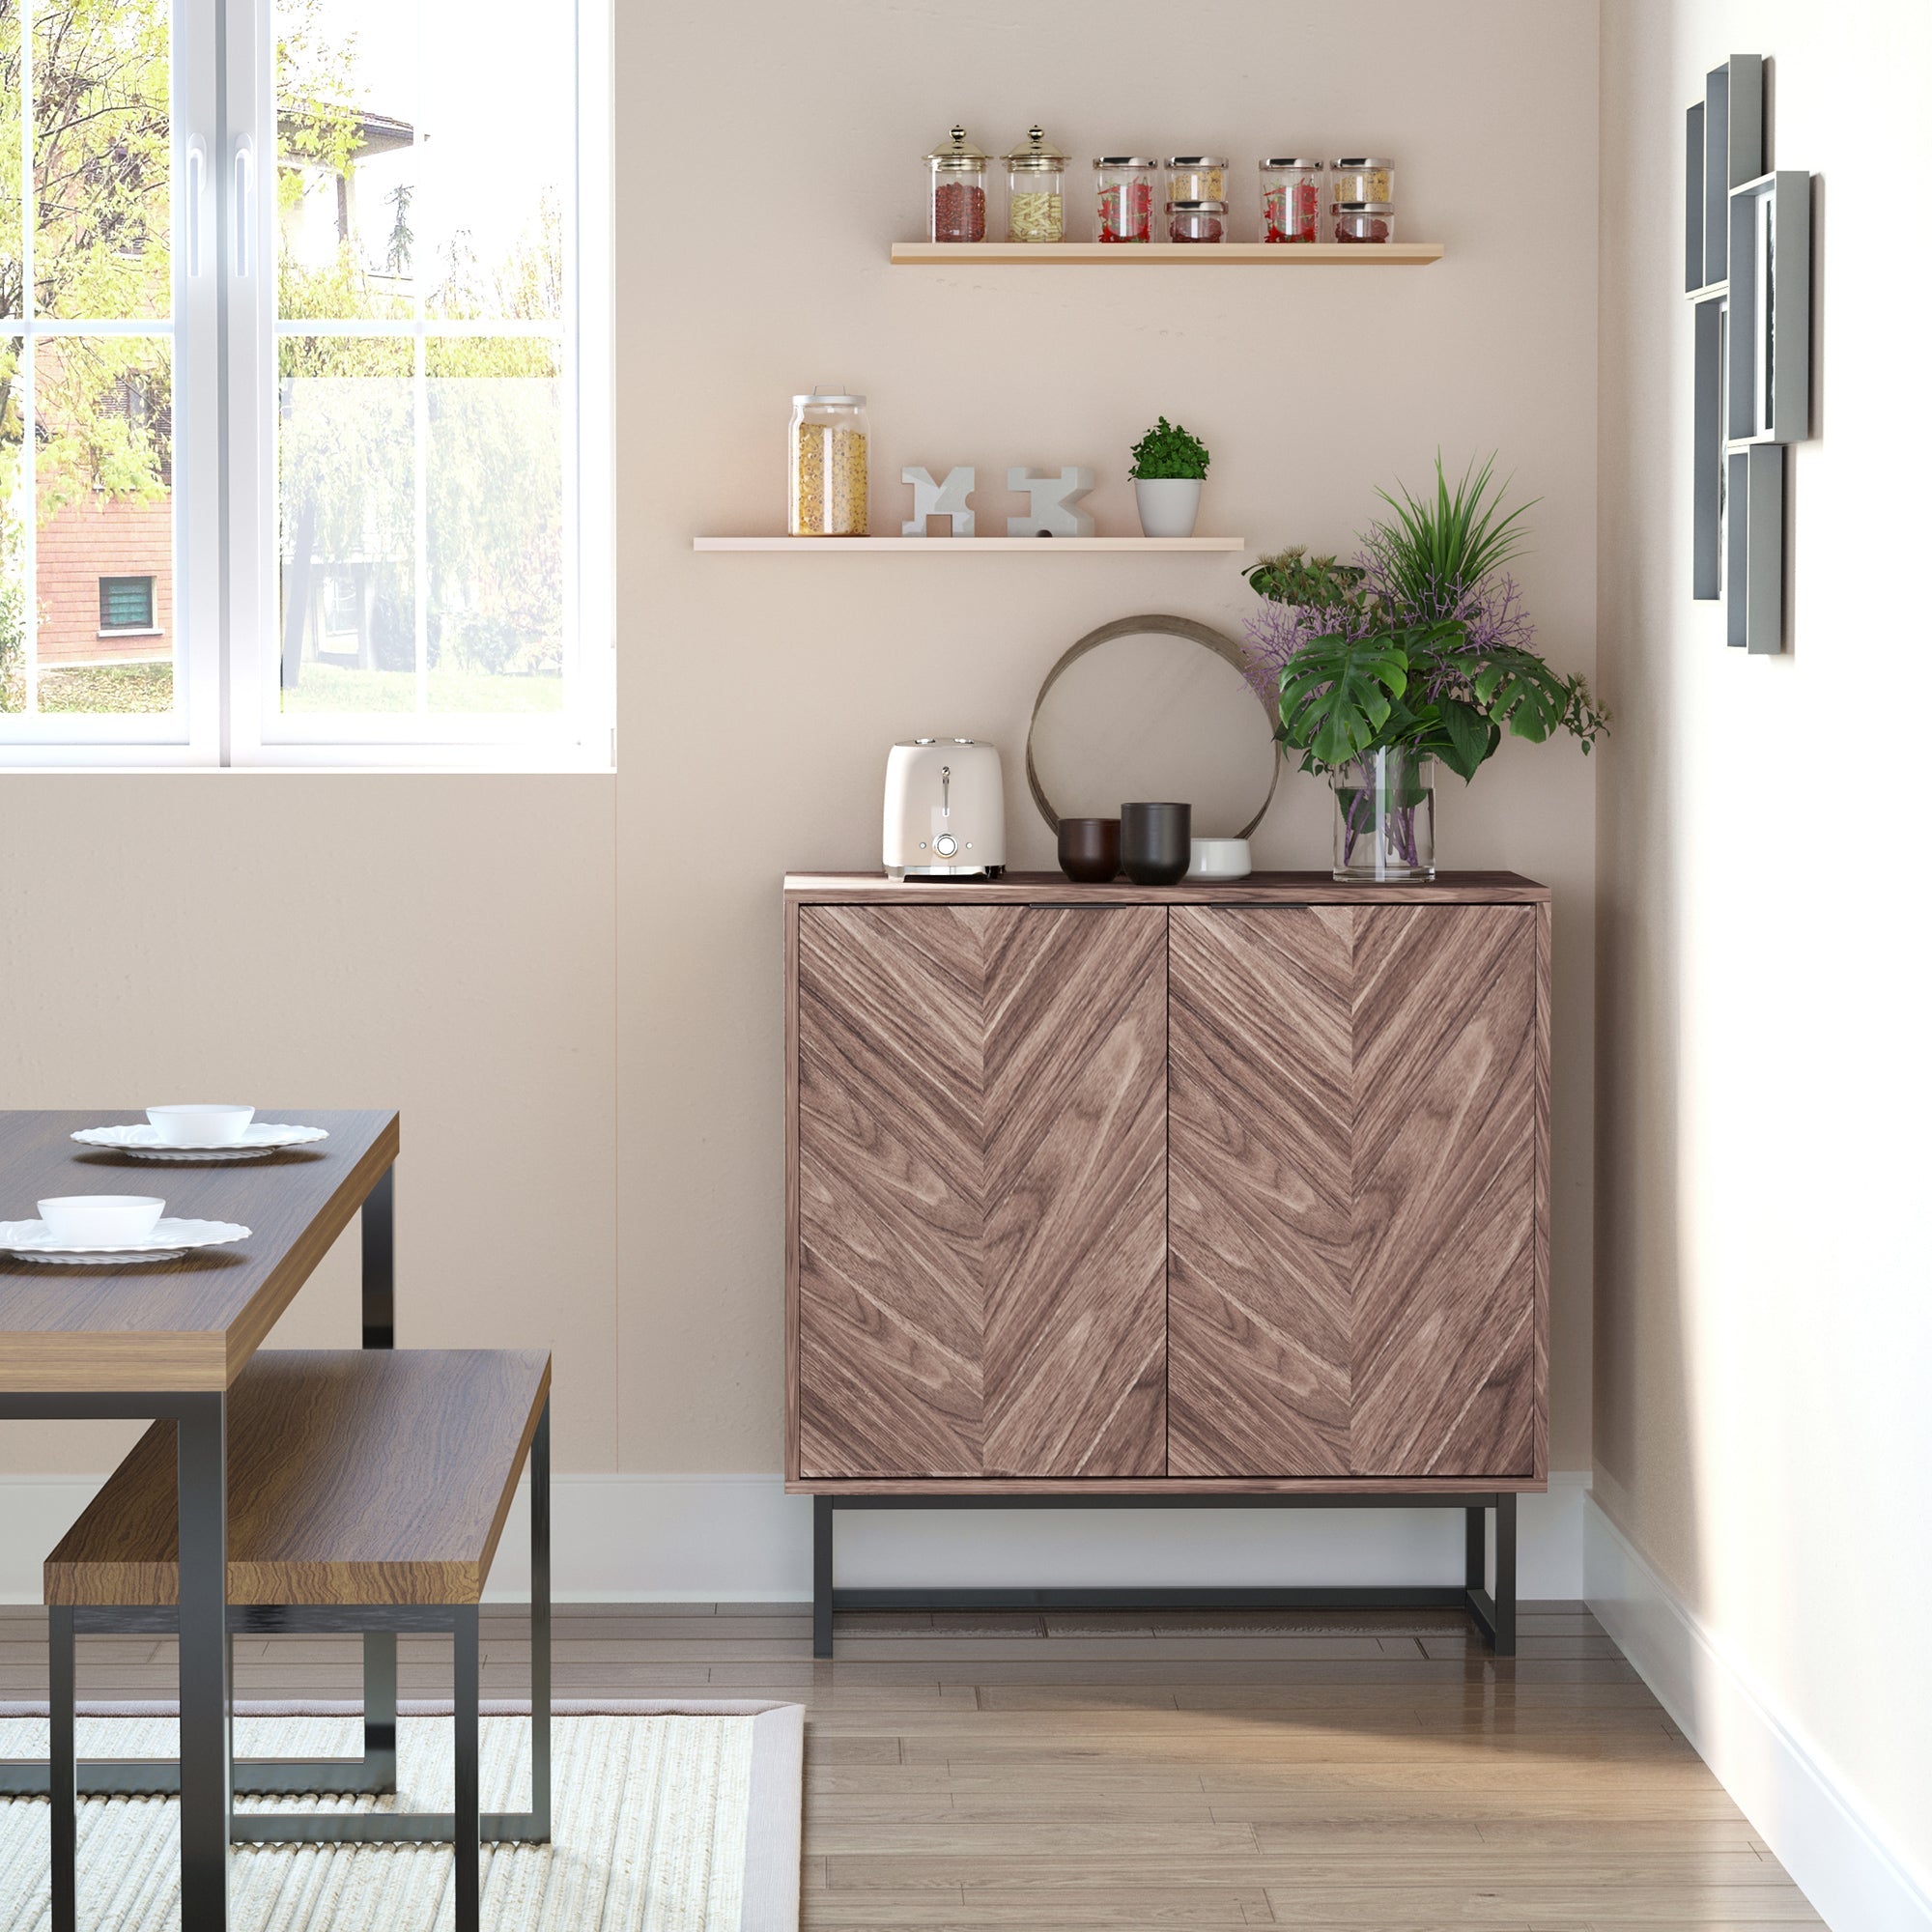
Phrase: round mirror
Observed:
(1152, 707)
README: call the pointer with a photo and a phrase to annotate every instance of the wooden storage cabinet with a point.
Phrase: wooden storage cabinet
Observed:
(1216, 1188)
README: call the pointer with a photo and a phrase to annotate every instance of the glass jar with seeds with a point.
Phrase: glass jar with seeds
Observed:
(957, 205)
(1197, 178)
(1036, 206)
(1362, 177)
(827, 466)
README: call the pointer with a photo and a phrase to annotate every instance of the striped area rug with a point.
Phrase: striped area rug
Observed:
(678, 1818)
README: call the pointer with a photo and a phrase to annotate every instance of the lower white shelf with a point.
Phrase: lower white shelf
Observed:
(833, 546)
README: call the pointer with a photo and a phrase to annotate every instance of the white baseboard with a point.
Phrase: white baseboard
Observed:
(741, 1538)
(1807, 1809)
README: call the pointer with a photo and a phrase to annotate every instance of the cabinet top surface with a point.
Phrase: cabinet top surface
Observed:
(1257, 888)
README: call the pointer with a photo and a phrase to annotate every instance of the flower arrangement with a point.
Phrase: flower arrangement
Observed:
(1167, 452)
(1421, 645)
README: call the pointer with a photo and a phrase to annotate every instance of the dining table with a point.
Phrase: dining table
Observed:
(164, 1340)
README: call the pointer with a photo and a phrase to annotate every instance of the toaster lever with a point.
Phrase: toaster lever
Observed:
(946, 791)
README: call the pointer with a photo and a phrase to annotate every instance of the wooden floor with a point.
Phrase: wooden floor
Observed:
(1121, 1771)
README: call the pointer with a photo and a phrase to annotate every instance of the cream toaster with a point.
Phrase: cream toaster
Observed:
(945, 810)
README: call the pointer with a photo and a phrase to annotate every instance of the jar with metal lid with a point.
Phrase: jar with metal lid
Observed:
(827, 466)
(1197, 178)
(1291, 199)
(1364, 222)
(1363, 178)
(956, 207)
(1036, 207)
(1197, 221)
(1123, 197)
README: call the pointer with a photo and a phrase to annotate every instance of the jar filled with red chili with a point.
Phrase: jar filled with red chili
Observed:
(1291, 199)
(1364, 222)
(957, 204)
(1124, 198)
(1197, 221)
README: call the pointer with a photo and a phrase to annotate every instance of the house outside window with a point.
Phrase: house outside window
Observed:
(126, 604)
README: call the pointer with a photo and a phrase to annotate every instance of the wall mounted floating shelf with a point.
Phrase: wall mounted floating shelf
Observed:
(979, 545)
(1168, 254)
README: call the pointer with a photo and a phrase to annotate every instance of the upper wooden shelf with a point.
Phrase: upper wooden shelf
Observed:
(1170, 254)
(980, 546)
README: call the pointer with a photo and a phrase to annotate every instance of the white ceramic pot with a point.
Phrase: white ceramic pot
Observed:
(1219, 859)
(1168, 505)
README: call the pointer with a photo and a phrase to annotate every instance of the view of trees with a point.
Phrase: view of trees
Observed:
(490, 572)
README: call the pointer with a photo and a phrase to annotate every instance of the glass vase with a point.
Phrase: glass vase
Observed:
(1386, 817)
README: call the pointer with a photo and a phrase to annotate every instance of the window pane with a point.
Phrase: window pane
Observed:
(348, 525)
(12, 267)
(13, 536)
(101, 158)
(495, 525)
(495, 202)
(346, 179)
(103, 484)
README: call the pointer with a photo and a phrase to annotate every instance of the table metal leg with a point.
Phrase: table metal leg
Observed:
(63, 1796)
(540, 1629)
(202, 1452)
(378, 1263)
(467, 1824)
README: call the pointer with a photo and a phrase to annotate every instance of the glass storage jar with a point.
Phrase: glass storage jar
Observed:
(1036, 207)
(1364, 222)
(1363, 178)
(1197, 178)
(827, 466)
(956, 206)
(1291, 199)
(1197, 221)
(1124, 198)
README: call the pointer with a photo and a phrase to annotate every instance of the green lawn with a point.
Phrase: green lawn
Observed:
(99, 689)
(333, 688)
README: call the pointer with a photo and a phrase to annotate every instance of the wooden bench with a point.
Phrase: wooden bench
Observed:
(367, 1491)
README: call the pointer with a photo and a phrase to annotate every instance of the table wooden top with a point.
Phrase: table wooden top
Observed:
(1257, 888)
(354, 1476)
(192, 1323)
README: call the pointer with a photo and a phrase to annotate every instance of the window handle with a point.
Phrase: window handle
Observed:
(244, 205)
(197, 187)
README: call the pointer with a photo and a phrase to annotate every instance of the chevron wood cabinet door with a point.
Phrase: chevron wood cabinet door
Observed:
(980, 1191)
(1355, 1208)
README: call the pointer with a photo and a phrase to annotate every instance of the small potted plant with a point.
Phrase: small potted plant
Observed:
(1168, 465)
(1421, 652)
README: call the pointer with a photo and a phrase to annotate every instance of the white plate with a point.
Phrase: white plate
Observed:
(261, 1137)
(171, 1238)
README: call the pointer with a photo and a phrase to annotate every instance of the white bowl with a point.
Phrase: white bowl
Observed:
(101, 1220)
(1218, 859)
(201, 1125)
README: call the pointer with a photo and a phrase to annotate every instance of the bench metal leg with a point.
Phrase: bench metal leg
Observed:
(64, 1805)
(466, 1837)
(378, 1713)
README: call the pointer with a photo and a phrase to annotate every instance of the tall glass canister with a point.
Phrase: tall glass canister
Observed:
(1035, 205)
(1123, 197)
(1292, 199)
(956, 204)
(827, 466)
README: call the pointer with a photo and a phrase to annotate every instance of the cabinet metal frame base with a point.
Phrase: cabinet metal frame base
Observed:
(1491, 1603)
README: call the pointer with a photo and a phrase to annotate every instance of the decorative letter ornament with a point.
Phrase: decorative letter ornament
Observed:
(1050, 499)
(939, 499)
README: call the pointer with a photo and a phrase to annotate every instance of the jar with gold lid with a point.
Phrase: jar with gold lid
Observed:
(956, 204)
(1035, 203)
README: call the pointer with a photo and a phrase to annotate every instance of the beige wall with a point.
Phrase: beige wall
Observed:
(522, 964)
(1762, 1315)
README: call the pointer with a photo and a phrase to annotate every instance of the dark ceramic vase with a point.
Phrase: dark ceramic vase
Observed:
(1090, 849)
(1154, 843)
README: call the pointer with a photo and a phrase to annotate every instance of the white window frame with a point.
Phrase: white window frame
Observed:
(226, 553)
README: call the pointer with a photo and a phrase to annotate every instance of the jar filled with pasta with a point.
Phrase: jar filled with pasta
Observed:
(827, 466)
(1363, 179)
(1197, 178)
(1124, 198)
(957, 205)
(1291, 199)
(1036, 207)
